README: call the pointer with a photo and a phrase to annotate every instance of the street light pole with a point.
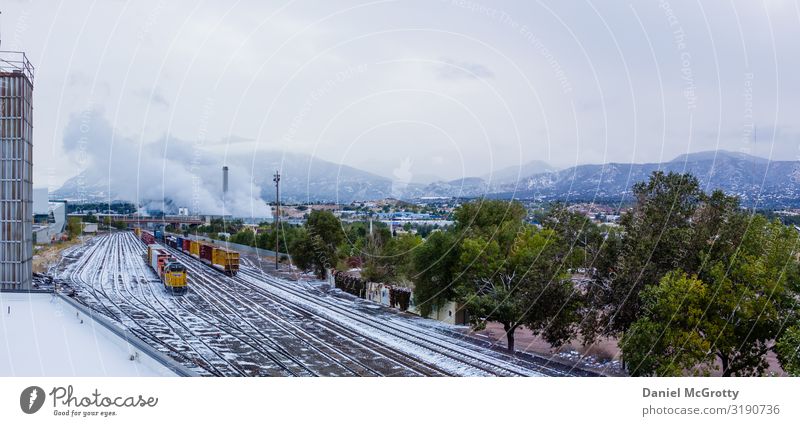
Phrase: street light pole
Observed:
(277, 180)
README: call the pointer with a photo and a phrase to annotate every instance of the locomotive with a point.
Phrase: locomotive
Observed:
(171, 273)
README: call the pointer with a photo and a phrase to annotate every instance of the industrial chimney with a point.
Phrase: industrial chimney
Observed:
(224, 180)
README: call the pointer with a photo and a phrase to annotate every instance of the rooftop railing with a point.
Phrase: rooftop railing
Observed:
(16, 62)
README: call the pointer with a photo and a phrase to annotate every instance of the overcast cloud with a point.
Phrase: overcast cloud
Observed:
(435, 88)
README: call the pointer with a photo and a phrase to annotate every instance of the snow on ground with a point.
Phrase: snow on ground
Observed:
(343, 314)
(43, 336)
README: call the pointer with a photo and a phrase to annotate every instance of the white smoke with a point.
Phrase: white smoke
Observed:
(164, 174)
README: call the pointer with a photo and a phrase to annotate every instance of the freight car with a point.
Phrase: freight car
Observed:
(148, 238)
(219, 258)
(226, 261)
(171, 273)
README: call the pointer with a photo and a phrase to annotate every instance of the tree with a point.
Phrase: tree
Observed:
(327, 227)
(434, 264)
(74, 227)
(523, 284)
(489, 217)
(671, 338)
(729, 321)
(655, 241)
(394, 260)
(578, 231)
(788, 350)
(316, 247)
(245, 237)
(303, 254)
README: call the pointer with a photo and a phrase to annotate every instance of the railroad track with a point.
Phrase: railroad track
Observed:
(144, 313)
(127, 317)
(223, 322)
(492, 363)
(149, 299)
(357, 355)
(438, 346)
(257, 324)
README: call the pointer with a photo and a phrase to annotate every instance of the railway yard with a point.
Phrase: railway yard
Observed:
(257, 324)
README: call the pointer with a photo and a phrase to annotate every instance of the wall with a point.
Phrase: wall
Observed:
(124, 339)
(448, 313)
(379, 293)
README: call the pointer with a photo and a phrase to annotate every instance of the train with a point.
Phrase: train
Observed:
(171, 272)
(224, 260)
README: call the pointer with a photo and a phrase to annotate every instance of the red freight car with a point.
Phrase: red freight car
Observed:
(186, 244)
(206, 252)
(148, 238)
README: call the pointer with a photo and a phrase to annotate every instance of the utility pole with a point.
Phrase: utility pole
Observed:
(277, 180)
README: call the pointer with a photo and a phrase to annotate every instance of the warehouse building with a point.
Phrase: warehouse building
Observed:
(16, 171)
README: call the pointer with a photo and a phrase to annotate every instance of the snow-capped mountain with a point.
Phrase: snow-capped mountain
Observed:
(305, 178)
(751, 178)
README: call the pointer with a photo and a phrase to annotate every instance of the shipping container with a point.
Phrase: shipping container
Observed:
(159, 235)
(206, 252)
(187, 244)
(137, 231)
(227, 260)
(156, 257)
(194, 248)
(179, 243)
(148, 238)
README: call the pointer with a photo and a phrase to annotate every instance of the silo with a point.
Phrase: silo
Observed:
(16, 171)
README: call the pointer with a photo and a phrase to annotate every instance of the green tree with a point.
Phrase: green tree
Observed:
(728, 321)
(487, 216)
(655, 241)
(74, 227)
(672, 337)
(304, 255)
(788, 350)
(578, 231)
(394, 261)
(523, 284)
(327, 227)
(316, 248)
(245, 237)
(435, 265)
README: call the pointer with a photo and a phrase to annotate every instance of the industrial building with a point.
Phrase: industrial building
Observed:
(49, 218)
(16, 171)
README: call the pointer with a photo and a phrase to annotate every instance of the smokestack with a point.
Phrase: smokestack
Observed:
(224, 180)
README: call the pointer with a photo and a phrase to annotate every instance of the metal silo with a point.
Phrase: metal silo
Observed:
(16, 171)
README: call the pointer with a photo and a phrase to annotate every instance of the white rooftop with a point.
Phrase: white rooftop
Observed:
(43, 336)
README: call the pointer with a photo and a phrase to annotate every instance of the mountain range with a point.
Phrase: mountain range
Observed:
(306, 179)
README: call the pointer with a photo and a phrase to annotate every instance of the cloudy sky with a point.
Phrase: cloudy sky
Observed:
(437, 89)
